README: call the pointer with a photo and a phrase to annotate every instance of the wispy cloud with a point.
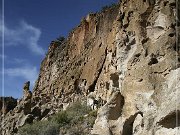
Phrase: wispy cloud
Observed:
(3, 56)
(17, 61)
(28, 73)
(25, 35)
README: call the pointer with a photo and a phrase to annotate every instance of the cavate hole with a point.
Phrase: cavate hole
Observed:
(173, 26)
(107, 85)
(144, 40)
(172, 120)
(173, 4)
(126, 25)
(115, 78)
(165, 3)
(122, 16)
(92, 87)
(114, 54)
(128, 125)
(140, 80)
(72, 77)
(132, 42)
(153, 61)
(115, 111)
(76, 86)
(146, 53)
(171, 34)
(128, 47)
(100, 45)
(137, 55)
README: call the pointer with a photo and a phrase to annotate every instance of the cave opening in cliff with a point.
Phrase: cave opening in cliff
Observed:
(115, 78)
(92, 87)
(172, 120)
(128, 125)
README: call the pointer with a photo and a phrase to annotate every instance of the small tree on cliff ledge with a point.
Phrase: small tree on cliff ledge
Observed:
(59, 40)
(104, 8)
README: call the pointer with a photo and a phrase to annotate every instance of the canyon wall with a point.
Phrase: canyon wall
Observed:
(125, 57)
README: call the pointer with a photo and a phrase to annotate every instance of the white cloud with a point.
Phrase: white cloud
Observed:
(3, 56)
(28, 73)
(17, 61)
(25, 35)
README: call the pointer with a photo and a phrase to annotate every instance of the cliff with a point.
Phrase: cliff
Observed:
(126, 58)
(7, 104)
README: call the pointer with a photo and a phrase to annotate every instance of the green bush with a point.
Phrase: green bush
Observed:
(78, 119)
(78, 109)
(104, 8)
(77, 130)
(61, 118)
(93, 113)
(40, 128)
(59, 40)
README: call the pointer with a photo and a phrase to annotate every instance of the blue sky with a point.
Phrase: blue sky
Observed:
(30, 25)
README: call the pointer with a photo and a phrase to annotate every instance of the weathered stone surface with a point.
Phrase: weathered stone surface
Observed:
(148, 69)
(26, 119)
(124, 60)
(26, 91)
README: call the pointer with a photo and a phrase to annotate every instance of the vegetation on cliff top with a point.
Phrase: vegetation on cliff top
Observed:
(113, 5)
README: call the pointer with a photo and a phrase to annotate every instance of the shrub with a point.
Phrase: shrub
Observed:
(93, 113)
(76, 130)
(40, 128)
(91, 117)
(78, 109)
(59, 40)
(61, 118)
(78, 119)
(104, 8)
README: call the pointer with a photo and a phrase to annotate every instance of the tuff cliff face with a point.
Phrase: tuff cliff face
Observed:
(143, 83)
(126, 58)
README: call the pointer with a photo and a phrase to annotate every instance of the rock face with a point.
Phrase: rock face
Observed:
(126, 58)
(7, 104)
(26, 91)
